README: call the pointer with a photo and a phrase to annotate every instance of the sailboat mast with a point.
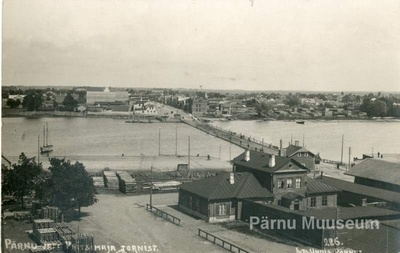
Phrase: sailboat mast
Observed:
(44, 136)
(47, 134)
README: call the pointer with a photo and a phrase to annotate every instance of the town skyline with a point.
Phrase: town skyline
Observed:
(170, 44)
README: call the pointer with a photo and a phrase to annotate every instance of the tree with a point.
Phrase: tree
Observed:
(21, 179)
(69, 102)
(13, 103)
(262, 108)
(292, 100)
(70, 185)
(380, 108)
(32, 101)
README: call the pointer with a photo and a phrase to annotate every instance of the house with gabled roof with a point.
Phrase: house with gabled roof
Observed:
(302, 155)
(287, 179)
(219, 198)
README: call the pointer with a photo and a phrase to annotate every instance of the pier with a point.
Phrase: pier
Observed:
(238, 139)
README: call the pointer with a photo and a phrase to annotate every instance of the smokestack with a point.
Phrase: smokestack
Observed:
(231, 178)
(247, 156)
(271, 162)
(280, 147)
(322, 174)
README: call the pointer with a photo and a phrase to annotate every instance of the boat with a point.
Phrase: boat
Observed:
(46, 148)
(300, 122)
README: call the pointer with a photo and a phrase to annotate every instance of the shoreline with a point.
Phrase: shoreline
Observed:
(209, 120)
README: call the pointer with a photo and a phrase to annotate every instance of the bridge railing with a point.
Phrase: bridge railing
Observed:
(166, 216)
(220, 242)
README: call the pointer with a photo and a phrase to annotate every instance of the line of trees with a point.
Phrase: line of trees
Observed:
(66, 185)
(381, 107)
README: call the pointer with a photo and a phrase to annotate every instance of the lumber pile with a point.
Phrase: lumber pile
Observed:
(127, 184)
(111, 180)
(98, 182)
(50, 212)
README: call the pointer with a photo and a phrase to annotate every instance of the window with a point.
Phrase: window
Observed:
(298, 182)
(289, 183)
(221, 209)
(305, 154)
(280, 184)
(197, 205)
(190, 202)
(324, 200)
(313, 202)
(299, 154)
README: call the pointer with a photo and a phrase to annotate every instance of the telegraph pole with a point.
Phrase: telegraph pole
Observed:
(151, 189)
(38, 148)
(349, 157)
(188, 152)
(176, 141)
(341, 157)
(159, 141)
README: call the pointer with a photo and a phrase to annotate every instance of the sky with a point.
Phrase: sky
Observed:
(326, 45)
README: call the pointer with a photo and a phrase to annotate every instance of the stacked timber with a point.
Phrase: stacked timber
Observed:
(64, 232)
(50, 212)
(43, 235)
(42, 223)
(83, 243)
(127, 184)
(98, 182)
(111, 180)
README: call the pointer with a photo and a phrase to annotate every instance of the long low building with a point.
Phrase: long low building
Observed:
(353, 194)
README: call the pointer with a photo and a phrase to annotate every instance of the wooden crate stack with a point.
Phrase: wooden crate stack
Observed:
(64, 232)
(51, 212)
(98, 182)
(111, 180)
(43, 230)
(127, 184)
(83, 242)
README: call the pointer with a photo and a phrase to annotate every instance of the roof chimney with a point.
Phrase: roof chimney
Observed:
(247, 155)
(271, 162)
(296, 143)
(280, 147)
(231, 178)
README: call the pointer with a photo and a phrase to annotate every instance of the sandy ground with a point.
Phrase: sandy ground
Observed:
(159, 163)
(122, 220)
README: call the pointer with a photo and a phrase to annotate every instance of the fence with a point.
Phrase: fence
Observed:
(164, 215)
(220, 242)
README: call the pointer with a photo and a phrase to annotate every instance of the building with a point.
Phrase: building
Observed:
(200, 107)
(219, 198)
(377, 172)
(301, 155)
(352, 194)
(287, 179)
(106, 96)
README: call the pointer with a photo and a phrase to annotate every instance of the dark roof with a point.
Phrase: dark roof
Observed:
(377, 169)
(260, 161)
(345, 213)
(315, 187)
(218, 187)
(385, 195)
(293, 149)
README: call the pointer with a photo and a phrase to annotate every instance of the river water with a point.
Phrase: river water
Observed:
(325, 137)
(111, 137)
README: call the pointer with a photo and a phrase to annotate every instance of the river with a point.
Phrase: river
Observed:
(111, 137)
(325, 137)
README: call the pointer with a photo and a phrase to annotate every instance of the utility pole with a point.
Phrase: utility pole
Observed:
(291, 139)
(159, 141)
(341, 157)
(176, 141)
(303, 141)
(151, 189)
(219, 152)
(349, 158)
(38, 148)
(189, 152)
(230, 152)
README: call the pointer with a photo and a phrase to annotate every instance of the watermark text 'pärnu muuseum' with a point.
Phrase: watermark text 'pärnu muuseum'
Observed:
(311, 223)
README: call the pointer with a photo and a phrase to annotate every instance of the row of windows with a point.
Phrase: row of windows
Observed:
(314, 201)
(289, 183)
(305, 154)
